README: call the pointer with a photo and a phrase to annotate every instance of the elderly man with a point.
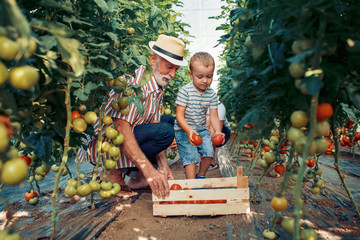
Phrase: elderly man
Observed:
(147, 136)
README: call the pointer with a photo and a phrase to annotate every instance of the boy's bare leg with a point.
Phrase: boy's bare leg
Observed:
(204, 165)
(190, 171)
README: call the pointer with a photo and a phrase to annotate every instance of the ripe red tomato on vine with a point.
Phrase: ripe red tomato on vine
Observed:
(6, 122)
(197, 140)
(30, 194)
(26, 159)
(324, 111)
(74, 115)
(310, 162)
(280, 169)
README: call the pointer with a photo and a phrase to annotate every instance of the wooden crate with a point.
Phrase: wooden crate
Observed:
(210, 196)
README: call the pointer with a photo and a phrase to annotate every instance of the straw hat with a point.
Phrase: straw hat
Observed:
(169, 48)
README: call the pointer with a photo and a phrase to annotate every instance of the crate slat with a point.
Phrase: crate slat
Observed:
(200, 209)
(206, 194)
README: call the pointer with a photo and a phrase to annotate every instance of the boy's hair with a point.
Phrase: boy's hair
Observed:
(203, 57)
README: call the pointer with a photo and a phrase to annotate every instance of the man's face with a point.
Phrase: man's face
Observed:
(163, 70)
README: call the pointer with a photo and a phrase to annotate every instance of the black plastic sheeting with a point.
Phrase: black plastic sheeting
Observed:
(330, 213)
(76, 220)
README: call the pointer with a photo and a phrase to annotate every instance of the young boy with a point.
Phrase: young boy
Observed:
(193, 101)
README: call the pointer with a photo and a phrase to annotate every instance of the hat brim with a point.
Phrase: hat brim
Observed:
(168, 58)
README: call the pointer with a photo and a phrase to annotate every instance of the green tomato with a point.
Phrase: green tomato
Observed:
(105, 146)
(270, 157)
(104, 193)
(70, 190)
(81, 175)
(84, 190)
(308, 234)
(33, 200)
(116, 188)
(55, 168)
(43, 169)
(319, 183)
(114, 151)
(95, 185)
(31, 179)
(39, 177)
(14, 172)
(119, 139)
(288, 224)
(110, 164)
(71, 182)
(315, 190)
(268, 234)
(106, 185)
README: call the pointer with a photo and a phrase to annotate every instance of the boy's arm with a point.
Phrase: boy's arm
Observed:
(180, 117)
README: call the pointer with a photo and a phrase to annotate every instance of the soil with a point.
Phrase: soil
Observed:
(330, 213)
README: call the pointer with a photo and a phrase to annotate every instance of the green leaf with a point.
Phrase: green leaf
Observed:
(81, 94)
(75, 84)
(313, 84)
(104, 44)
(69, 49)
(113, 36)
(350, 114)
(91, 69)
(75, 20)
(102, 5)
(354, 94)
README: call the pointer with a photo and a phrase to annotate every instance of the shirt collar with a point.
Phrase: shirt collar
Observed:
(154, 86)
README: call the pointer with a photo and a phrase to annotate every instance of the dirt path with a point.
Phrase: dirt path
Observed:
(331, 215)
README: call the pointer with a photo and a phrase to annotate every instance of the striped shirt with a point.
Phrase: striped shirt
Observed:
(153, 96)
(196, 104)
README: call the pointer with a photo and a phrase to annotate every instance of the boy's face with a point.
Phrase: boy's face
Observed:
(202, 76)
(163, 70)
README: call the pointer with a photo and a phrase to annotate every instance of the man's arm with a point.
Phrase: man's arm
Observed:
(156, 180)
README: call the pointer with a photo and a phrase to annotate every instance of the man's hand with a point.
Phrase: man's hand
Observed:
(158, 182)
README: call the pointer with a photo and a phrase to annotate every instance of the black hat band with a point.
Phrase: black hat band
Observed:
(177, 57)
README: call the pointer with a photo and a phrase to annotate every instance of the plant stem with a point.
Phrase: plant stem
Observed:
(63, 160)
(337, 167)
(300, 175)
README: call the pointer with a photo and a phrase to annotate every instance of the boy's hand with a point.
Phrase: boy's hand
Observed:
(190, 136)
(222, 134)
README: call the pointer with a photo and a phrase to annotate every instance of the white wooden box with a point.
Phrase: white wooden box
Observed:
(210, 196)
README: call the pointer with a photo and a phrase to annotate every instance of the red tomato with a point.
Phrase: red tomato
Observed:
(283, 150)
(175, 187)
(217, 141)
(26, 159)
(197, 140)
(279, 203)
(267, 149)
(6, 122)
(351, 121)
(324, 111)
(74, 115)
(280, 169)
(310, 162)
(30, 194)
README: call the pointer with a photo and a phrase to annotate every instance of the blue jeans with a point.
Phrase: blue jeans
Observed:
(153, 138)
(189, 154)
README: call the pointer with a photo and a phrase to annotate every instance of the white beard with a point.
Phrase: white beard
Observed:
(159, 77)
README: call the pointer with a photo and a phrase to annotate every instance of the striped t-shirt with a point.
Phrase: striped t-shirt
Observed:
(196, 104)
(153, 96)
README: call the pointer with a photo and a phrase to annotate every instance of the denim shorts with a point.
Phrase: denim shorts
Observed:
(189, 153)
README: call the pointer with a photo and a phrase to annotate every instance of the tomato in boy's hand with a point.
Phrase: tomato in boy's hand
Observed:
(218, 140)
(197, 140)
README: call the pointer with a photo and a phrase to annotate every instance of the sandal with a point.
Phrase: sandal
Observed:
(213, 166)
